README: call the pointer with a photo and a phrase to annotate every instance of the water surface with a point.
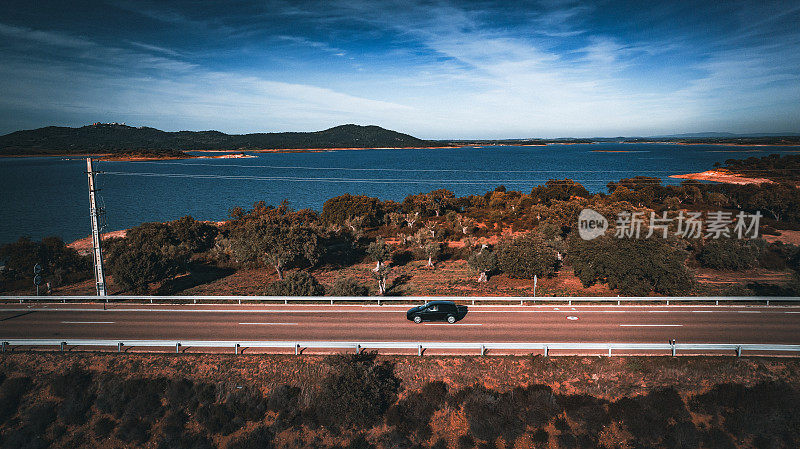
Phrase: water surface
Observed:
(44, 196)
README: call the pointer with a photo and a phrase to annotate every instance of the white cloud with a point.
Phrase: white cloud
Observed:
(159, 90)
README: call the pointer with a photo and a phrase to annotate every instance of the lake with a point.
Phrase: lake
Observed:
(49, 196)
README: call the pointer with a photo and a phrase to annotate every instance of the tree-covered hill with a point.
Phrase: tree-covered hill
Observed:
(114, 138)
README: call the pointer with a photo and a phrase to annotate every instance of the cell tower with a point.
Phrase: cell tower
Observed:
(97, 254)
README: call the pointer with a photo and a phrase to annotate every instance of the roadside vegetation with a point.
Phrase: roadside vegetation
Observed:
(494, 243)
(364, 401)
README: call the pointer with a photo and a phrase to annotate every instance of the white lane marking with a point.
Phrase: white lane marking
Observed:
(572, 318)
(651, 325)
(271, 324)
(749, 311)
(87, 322)
(454, 324)
(707, 311)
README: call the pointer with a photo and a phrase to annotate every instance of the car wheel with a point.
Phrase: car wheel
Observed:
(451, 319)
(417, 319)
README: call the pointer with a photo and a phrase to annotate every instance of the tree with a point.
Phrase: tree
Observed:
(465, 224)
(649, 188)
(526, 256)
(380, 253)
(59, 262)
(431, 203)
(484, 262)
(728, 254)
(381, 274)
(396, 219)
(431, 229)
(338, 209)
(411, 218)
(635, 267)
(150, 252)
(276, 244)
(559, 189)
(432, 250)
(197, 235)
(135, 268)
(439, 200)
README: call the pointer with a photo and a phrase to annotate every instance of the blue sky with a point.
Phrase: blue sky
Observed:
(434, 69)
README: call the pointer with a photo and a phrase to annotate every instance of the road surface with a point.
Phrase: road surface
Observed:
(617, 324)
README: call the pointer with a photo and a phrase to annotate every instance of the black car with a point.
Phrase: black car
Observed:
(437, 311)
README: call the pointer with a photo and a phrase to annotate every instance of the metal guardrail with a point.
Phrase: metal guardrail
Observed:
(298, 346)
(522, 300)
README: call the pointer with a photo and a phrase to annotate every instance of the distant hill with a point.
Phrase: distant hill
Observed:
(118, 138)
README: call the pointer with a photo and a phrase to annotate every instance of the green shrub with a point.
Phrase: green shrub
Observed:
(588, 413)
(261, 438)
(652, 418)
(412, 414)
(187, 440)
(247, 403)
(526, 256)
(74, 408)
(357, 392)
(347, 287)
(25, 438)
(72, 382)
(104, 426)
(76, 386)
(218, 418)
(491, 414)
(174, 423)
(466, 441)
(728, 254)
(340, 249)
(11, 392)
(299, 283)
(635, 267)
(137, 397)
(133, 430)
(766, 412)
(40, 416)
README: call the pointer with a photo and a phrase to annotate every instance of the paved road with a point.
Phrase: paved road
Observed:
(647, 324)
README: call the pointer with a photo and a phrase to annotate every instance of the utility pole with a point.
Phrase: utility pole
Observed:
(97, 254)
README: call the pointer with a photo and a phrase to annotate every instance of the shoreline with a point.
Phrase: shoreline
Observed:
(732, 144)
(723, 176)
(241, 154)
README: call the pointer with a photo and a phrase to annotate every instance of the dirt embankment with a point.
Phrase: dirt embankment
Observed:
(84, 245)
(240, 401)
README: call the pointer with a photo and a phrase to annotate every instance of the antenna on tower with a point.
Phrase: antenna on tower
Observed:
(94, 213)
